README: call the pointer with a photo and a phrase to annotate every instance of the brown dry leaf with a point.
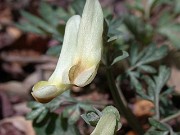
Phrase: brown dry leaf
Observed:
(13, 68)
(22, 89)
(131, 133)
(6, 108)
(94, 96)
(6, 16)
(15, 88)
(21, 108)
(20, 123)
(175, 79)
(99, 99)
(143, 108)
(46, 69)
(25, 57)
(14, 32)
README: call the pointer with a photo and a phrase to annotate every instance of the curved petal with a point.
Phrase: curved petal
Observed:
(68, 49)
(90, 34)
(44, 91)
(89, 45)
(85, 77)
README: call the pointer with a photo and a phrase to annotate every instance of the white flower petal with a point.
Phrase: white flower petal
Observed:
(45, 91)
(90, 33)
(68, 49)
(84, 78)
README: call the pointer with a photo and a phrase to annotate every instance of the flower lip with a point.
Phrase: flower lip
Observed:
(45, 94)
(82, 78)
(45, 91)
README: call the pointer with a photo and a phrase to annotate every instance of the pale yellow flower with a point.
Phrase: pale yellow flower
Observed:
(80, 55)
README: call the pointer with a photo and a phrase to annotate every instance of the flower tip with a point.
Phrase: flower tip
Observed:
(44, 92)
(41, 100)
(82, 77)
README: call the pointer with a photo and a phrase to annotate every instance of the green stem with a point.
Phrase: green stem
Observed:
(171, 117)
(166, 120)
(157, 115)
(124, 110)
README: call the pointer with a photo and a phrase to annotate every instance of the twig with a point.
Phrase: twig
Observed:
(171, 117)
(157, 115)
(123, 109)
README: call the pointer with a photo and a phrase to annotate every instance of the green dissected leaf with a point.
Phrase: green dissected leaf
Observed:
(86, 107)
(38, 22)
(34, 104)
(177, 6)
(147, 68)
(152, 54)
(54, 51)
(151, 87)
(176, 133)
(56, 102)
(154, 86)
(158, 133)
(72, 113)
(151, 3)
(137, 85)
(61, 29)
(114, 27)
(133, 55)
(166, 2)
(39, 111)
(121, 57)
(62, 14)
(162, 78)
(111, 40)
(78, 6)
(167, 92)
(49, 24)
(166, 103)
(146, 56)
(35, 113)
(47, 12)
(137, 5)
(74, 116)
(42, 115)
(140, 60)
(148, 7)
(172, 32)
(53, 15)
(27, 27)
(142, 32)
(165, 19)
(91, 118)
(107, 12)
(157, 124)
(55, 125)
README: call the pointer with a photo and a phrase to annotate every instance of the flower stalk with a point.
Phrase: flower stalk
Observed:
(122, 108)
